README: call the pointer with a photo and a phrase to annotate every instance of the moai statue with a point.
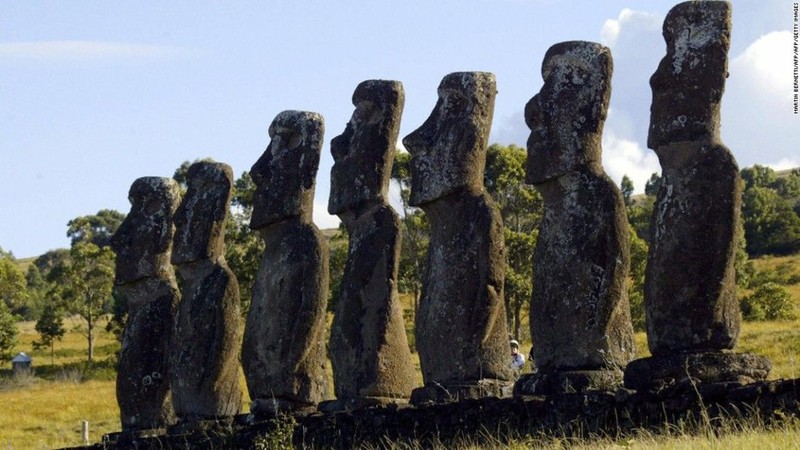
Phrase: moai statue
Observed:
(580, 316)
(461, 330)
(204, 363)
(368, 347)
(692, 315)
(145, 284)
(283, 352)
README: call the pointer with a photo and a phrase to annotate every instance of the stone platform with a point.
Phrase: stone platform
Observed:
(570, 414)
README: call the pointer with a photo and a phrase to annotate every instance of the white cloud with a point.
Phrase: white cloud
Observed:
(322, 219)
(785, 164)
(626, 157)
(758, 123)
(84, 51)
(766, 65)
(627, 20)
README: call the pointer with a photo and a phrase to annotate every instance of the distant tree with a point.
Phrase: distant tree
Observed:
(522, 208)
(8, 332)
(87, 281)
(97, 228)
(652, 185)
(758, 176)
(639, 216)
(13, 289)
(770, 224)
(243, 246)
(414, 229)
(770, 301)
(338, 249)
(626, 186)
(639, 250)
(50, 327)
(504, 177)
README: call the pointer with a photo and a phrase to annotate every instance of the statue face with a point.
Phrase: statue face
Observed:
(448, 152)
(143, 241)
(566, 117)
(363, 153)
(690, 80)
(284, 174)
(199, 220)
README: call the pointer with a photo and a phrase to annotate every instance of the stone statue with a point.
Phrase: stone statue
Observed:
(283, 352)
(461, 330)
(368, 346)
(145, 284)
(580, 316)
(692, 315)
(204, 362)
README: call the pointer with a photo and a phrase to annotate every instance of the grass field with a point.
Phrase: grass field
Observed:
(46, 410)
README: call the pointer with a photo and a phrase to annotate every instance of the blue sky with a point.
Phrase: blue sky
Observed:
(96, 94)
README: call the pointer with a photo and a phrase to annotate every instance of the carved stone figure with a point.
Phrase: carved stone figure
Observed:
(145, 283)
(204, 362)
(690, 292)
(461, 330)
(580, 315)
(283, 352)
(368, 345)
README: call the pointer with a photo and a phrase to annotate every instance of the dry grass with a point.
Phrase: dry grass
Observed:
(46, 414)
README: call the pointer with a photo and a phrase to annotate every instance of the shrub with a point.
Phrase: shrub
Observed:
(770, 301)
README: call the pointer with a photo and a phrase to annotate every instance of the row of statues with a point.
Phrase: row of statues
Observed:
(180, 355)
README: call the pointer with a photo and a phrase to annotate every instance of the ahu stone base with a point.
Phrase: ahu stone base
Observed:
(607, 413)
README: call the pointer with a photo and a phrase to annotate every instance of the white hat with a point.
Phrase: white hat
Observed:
(514, 343)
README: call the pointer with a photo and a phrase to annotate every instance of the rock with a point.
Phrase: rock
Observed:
(368, 346)
(145, 283)
(580, 315)
(461, 332)
(283, 352)
(204, 362)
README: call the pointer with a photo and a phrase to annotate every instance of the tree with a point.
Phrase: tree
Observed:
(414, 229)
(639, 250)
(522, 208)
(338, 250)
(243, 246)
(627, 189)
(50, 327)
(758, 176)
(770, 224)
(770, 301)
(97, 228)
(8, 332)
(88, 278)
(13, 291)
(652, 185)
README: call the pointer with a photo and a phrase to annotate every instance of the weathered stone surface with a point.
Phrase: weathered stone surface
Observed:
(690, 290)
(368, 345)
(580, 315)
(529, 418)
(364, 152)
(659, 373)
(145, 283)
(283, 352)
(204, 362)
(461, 330)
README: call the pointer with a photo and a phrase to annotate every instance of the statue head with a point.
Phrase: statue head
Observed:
(285, 173)
(363, 154)
(566, 117)
(200, 218)
(689, 81)
(448, 152)
(143, 241)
